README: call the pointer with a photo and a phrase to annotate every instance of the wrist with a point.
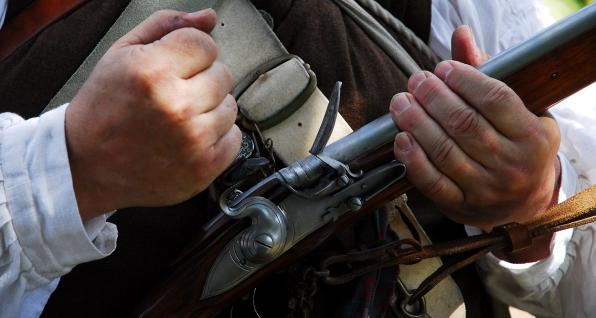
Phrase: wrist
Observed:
(91, 193)
(541, 246)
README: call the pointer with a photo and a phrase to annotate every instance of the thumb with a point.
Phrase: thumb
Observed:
(464, 49)
(163, 22)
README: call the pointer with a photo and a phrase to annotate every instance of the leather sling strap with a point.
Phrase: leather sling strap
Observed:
(576, 211)
(29, 22)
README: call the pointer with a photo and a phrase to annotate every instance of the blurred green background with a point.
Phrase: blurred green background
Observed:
(562, 8)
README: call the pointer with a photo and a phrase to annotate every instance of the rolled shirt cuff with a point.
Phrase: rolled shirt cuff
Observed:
(530, 275)
(39, 189)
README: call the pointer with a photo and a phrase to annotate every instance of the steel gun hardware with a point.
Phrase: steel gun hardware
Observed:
(320, 189)
(267, 226)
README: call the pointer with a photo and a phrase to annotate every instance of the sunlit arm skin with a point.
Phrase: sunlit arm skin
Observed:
(154, 123)
(471, 145)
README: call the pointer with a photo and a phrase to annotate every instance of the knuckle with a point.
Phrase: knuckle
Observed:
(412, 161)
(517, 178)
(227, 75)
(464, 121)
(205, 137)
(498, 94)
(217, 84)
(201, 39)
(145, 67)
(410, 119)
(232, 105)
(464, 168)
(491, 142)
(212, 95)
(177, 114)
(234, 145)
(540, 140)
(211, 157)
(458, 78)
(435, 187)
(207, 44)
(197, 43)
(442, 150)
(428, 91)
(482, 197)
(204, 167)
(185, 36)
(148, 74)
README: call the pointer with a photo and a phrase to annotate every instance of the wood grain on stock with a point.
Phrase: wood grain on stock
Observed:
(540, 84)
(179, 295)
(557, 75)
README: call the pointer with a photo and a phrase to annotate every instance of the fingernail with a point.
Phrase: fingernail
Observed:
(400, 103)
(416, 80)
(443, 69)
(403, 143)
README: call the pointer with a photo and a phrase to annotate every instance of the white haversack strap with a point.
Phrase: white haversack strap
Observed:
(246, 43)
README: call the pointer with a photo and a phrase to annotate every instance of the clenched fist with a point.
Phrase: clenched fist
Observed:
(154, 123)
(470, 144)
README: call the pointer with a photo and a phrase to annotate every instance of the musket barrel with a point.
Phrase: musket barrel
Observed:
(382, 130)
(557, 35)
(364, 140)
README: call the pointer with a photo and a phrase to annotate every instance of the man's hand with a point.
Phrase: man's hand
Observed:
(154, 124)
(470, 144)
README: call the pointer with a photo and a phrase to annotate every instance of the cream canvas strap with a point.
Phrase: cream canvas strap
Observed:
(445, 299)
(246, 43)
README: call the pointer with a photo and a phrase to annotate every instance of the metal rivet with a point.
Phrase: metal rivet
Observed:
(355, 203)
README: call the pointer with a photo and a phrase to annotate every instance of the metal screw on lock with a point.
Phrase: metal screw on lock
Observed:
(355, 203)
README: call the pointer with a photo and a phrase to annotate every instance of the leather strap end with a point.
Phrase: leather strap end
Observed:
(518, 235)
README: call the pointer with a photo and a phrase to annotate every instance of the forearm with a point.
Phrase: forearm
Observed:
(39, 221)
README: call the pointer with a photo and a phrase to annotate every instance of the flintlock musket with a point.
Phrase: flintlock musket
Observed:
(321, 193)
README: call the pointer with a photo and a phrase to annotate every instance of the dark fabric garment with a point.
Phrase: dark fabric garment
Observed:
(16, 6)
(34, 73)
(150, 238)
(338, 50)
(148, 241)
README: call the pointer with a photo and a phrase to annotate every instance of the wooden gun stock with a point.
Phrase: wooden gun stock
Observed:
(541, 81)
(558, 74)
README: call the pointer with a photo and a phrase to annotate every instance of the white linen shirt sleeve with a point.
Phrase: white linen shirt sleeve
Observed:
(564, 284)
(496, 24)
(3, 6)
(42, 236)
